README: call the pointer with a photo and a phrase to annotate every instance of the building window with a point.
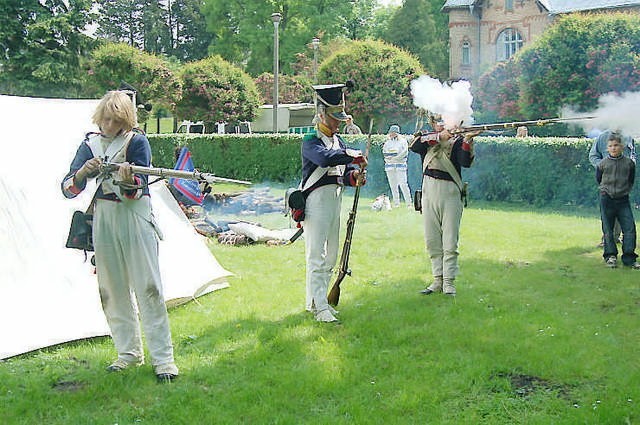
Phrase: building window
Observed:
(508, 5)
(466, 53)
(508, 43)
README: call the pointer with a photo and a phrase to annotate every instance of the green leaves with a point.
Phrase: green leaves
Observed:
(41, 44)
(576, 61)
(215, 90)
(382, 74)
(112, 63)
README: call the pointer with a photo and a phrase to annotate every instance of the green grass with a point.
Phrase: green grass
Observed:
(540, 333)
(166, 125)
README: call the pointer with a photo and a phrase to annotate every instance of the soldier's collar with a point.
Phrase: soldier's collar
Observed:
(324, 129)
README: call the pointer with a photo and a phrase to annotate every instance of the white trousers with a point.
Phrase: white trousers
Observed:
(398, 178)
(126, 250)
(442, 211)
(321, 233)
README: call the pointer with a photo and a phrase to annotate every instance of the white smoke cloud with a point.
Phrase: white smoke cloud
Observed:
(615, 112)
(452, 102)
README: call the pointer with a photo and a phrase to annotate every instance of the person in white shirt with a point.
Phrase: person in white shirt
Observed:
(395, 151)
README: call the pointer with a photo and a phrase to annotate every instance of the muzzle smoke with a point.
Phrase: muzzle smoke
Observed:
(615, 112)
(451, 101)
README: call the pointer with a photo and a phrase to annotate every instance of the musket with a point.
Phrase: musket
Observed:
(108, 167)
(334, 295)
(513, 124)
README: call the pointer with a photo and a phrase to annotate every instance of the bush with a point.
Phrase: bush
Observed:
(580, 58)
(290, 89)
(215, 90)
(575, 62)
(112, 63)
(382, 74)
(551, 172)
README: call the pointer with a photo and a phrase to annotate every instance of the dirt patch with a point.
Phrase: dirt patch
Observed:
(525, 385)
(68, 386)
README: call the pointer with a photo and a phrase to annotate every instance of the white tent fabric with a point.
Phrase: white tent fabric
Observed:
(48, 294)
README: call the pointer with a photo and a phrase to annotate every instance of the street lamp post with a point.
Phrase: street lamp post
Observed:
(315, 43)
(275, 17)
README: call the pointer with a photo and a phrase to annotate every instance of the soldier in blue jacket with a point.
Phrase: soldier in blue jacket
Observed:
(125, 236)
(327, 166)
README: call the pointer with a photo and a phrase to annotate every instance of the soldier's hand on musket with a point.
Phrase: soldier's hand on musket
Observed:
(471, 134)
(91, 168)
(361, 177)
(444, 135)
(125, 174)
(358, 158)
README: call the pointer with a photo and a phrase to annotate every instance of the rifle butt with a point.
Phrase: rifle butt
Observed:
(334, 295)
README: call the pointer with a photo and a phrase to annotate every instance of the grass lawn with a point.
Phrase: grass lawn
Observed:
(541, 332)
(166, 125)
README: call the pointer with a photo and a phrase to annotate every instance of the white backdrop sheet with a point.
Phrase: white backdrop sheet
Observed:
(48, 294)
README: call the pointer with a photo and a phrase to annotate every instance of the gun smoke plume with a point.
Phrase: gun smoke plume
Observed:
(451, 101)
(615, 112)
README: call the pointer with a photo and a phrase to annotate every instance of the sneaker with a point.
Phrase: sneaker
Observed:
(312, 309)
(166, 372)
(325, 316)
(448, 288)
(611, 262)
(122, 364)
(634, 266)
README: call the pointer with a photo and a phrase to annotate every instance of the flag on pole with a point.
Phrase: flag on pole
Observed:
(189, 188)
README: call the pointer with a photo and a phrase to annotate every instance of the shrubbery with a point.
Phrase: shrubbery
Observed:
(215, 90)
(290, 89)
(580, 58)
(537, 171)
(382, 74)
(150, 75)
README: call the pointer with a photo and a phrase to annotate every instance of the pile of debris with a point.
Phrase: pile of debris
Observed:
(231, 231)
(252, 202)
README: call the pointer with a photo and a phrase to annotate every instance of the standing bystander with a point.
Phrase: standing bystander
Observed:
(351, 127)
(395, 151)
(615, 175)
(598, 152)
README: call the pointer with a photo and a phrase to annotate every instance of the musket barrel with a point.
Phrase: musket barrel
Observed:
(179, 174)
(514, 124)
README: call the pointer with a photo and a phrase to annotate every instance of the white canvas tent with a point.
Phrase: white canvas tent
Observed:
(48, 294)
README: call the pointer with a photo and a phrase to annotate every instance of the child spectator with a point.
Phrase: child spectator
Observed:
(615, 175)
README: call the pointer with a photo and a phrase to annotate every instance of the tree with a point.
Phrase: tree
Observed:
(291, 89)
(356, 24)
(190, 36)
(140, 23)
(497, 95)
(382, 74)
(215, 90)
(113, 63)
(42, 45)
(419, 27)
(120, 21)
(577, 60)
(243, 31)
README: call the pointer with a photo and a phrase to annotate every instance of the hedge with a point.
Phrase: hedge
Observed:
(549, 172)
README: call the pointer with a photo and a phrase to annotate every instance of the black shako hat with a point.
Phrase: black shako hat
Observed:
(135, 96)
(332, 96)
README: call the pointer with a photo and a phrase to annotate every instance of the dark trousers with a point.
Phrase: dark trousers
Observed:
(620, 209)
